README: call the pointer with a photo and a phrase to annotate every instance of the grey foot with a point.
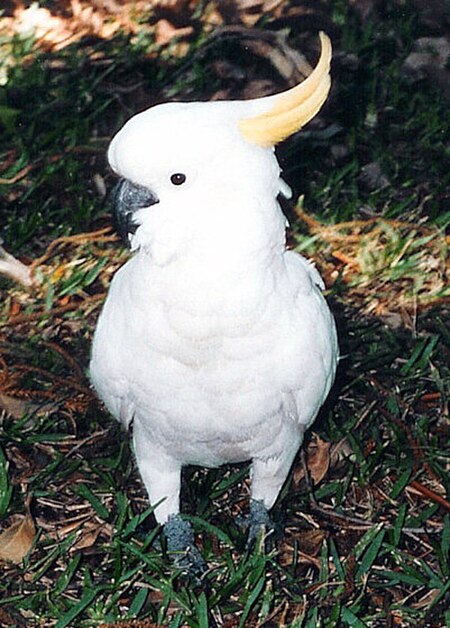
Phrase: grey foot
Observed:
(260, 525)
(181, 547)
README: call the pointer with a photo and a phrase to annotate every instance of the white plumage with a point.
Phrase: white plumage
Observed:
(214, 340)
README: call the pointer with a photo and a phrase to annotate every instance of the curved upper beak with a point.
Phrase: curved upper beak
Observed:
(127, 198)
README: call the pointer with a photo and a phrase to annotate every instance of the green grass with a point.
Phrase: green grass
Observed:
(371, 546)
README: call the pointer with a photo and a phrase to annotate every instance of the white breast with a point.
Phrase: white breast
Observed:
(219, 376)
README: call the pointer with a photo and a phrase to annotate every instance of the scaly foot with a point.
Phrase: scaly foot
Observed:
(181, 547)
(260, 525)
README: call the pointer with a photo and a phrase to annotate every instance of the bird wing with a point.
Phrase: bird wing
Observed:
(313, 349)
(106, 367)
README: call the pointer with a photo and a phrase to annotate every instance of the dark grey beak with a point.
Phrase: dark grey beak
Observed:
(127, 198)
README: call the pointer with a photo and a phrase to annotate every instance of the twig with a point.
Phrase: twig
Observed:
(352, 224)
(70, 359)
(345, 259)
(19, 175)
(78, 238)
(271, 615)
(15, 269)
(357, 523)
(428, 492)
(27, 318)
(25, 274)
(87, 440)
(52, 159)
(63, 381)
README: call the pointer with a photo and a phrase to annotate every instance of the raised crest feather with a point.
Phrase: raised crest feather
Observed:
(294, 108)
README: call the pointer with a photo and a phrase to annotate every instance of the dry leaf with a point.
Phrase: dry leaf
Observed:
(17, 540)
(6, 619)
(340, 451)
(308, 545)
(310, 541)
(89, 535)
(165, 32)
(317, 461)
(18, 408)
(428, 60)
(15, 308)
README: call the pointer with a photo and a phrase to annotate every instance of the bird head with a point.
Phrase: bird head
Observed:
(192, 172)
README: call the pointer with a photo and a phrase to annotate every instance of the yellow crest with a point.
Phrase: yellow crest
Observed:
(294, 108)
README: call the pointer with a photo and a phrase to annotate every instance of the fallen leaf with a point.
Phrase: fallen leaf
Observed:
(432, 14)
(89, 535)
(6, 619)
(340, 451)
(317, 461)
(165, 32)
(308, 544)
(17, 540)
(18, 408)
(15, 308)
(310, 541)
(372, 178)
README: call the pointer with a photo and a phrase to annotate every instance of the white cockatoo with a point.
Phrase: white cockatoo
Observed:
(215, 342)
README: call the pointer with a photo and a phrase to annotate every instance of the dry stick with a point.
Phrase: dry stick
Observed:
(15, 269)
(345, 259)
(20, 175)
(70, 359)
(64, 381)
(427, 492)
(415, 446)
(87, 440)
(26, 318)
(351, 224)
(24, 274)
(9, 159)
(330, 232)
(27, 169)
(78, 238)
(273, 614)
(358, 524)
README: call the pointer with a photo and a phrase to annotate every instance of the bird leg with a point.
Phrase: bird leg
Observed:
(160, 473)
(162, 478)
(268, 477)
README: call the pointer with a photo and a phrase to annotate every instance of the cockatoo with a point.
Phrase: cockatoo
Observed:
(215, 342)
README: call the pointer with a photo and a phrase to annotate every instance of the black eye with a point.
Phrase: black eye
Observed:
(178, 178)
